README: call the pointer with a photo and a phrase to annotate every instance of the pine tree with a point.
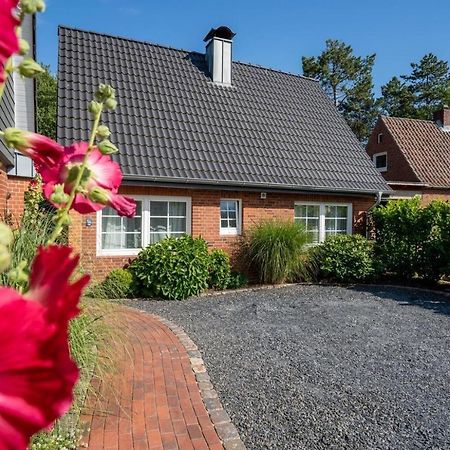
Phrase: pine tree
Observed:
(46, 99)
(397, 99)
(347, 80)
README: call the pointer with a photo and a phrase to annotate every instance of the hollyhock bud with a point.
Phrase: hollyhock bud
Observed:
(24, 47)
(29, 68)
(95, 108)
(6, 235)
(107, 147)
(42, 150)
(32, 6)
(40, 5)
(104, 92)
(59, 197)
(99, 195)
(5, 258)
(18, 274)
(103, 132)
(111, 104)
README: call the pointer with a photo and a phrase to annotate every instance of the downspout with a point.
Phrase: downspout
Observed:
(368, 214)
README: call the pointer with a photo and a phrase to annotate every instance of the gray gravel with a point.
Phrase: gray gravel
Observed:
(317, 367)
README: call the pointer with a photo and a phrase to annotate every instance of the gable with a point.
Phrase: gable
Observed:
(269, 129)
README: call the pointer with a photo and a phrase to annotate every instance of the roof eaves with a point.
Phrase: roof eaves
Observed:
(252, 184)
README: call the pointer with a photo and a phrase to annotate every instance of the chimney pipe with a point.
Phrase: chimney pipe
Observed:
(219, 54)
(442, 118)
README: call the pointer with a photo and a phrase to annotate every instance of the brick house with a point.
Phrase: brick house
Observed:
(209, 146)
(17, 109)
(413, 155)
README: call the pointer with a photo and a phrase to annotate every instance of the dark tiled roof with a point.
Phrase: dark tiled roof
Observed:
(426, 148)
(173, 124)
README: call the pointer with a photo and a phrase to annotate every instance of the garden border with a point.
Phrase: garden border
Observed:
(225, 429)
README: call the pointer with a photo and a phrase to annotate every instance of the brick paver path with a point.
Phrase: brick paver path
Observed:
(152, 400)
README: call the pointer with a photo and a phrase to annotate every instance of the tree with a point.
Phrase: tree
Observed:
(46, 99)
(420, 93)
(397, 99)
(429, 81)
(347, 80)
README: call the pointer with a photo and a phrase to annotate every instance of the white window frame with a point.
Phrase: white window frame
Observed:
(145, 224)
(322, 206)
(232, 231)
(374, 159)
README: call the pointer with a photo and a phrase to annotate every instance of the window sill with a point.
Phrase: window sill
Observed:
(122, 253)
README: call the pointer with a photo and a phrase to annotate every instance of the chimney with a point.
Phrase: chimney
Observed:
(219, 54)
(442, 118)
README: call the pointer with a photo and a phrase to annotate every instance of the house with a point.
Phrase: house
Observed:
(209, 146)
(414, 155)
(17, 109)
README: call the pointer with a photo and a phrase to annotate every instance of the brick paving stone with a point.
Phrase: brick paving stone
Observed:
(151, 400)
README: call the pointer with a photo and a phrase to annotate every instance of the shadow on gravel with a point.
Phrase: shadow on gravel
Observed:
(436, 302)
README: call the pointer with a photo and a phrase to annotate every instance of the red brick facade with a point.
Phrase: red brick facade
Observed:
(398, 168)
(205, 218)
(3, 190)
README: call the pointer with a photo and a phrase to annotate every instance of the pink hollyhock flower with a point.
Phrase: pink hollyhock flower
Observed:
(44, 151)
(37, 375)
(9, 42)
(100, 183)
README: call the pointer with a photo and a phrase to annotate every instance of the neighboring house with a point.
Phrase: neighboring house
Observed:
(209, 146)
(414, 155)
(17, 109)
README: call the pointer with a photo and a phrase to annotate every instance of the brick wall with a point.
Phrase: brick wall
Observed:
(3, 191)
(205, 219)
(398, 168)
(428, 195)
(16, 188)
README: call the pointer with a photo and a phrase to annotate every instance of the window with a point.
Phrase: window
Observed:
(230, 216)
(380, 161)
(309, 217)
(121, 233)
(380, 138)
(322, 220)
(156, 218)
(23, 166)
(167, 218)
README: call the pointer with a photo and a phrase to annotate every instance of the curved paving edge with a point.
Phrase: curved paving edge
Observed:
(225, 429)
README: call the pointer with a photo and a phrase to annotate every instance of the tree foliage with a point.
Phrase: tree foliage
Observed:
(46, 99)
(420, 93)
(347, 80)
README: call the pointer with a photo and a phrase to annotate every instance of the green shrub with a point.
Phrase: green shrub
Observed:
(413, 240)
(347, 258)
(219, 269)
(237, 280)
(273, 249)
(174, 268)
(308, 266)
(119, 283)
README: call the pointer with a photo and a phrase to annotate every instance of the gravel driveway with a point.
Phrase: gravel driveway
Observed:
(316, 367)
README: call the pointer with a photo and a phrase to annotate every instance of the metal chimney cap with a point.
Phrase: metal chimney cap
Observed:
(222, 32)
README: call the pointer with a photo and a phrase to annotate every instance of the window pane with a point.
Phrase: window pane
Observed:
(112, 224)
(158, 224)
(224, 223)
(330, 211)
(313, 237)
(132, 225)
(313, 210)
(138, 209)
(381, 161)
(177, 225)
(158, 208)
(232, 223)
(330, 224)
(133, 240)
(177, 209)
(223, 214)
(342, 224)
(341, 211)
(156, 237)
(111, 241)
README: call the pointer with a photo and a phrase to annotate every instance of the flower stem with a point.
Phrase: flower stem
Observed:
(63, 214)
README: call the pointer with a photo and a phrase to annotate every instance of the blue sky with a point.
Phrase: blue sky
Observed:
(272, 33)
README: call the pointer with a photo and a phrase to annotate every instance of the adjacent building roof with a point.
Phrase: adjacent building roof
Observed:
(426, 147)
(173, 124)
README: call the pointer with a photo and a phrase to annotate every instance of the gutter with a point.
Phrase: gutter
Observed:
(246, 185)
(378, 199)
